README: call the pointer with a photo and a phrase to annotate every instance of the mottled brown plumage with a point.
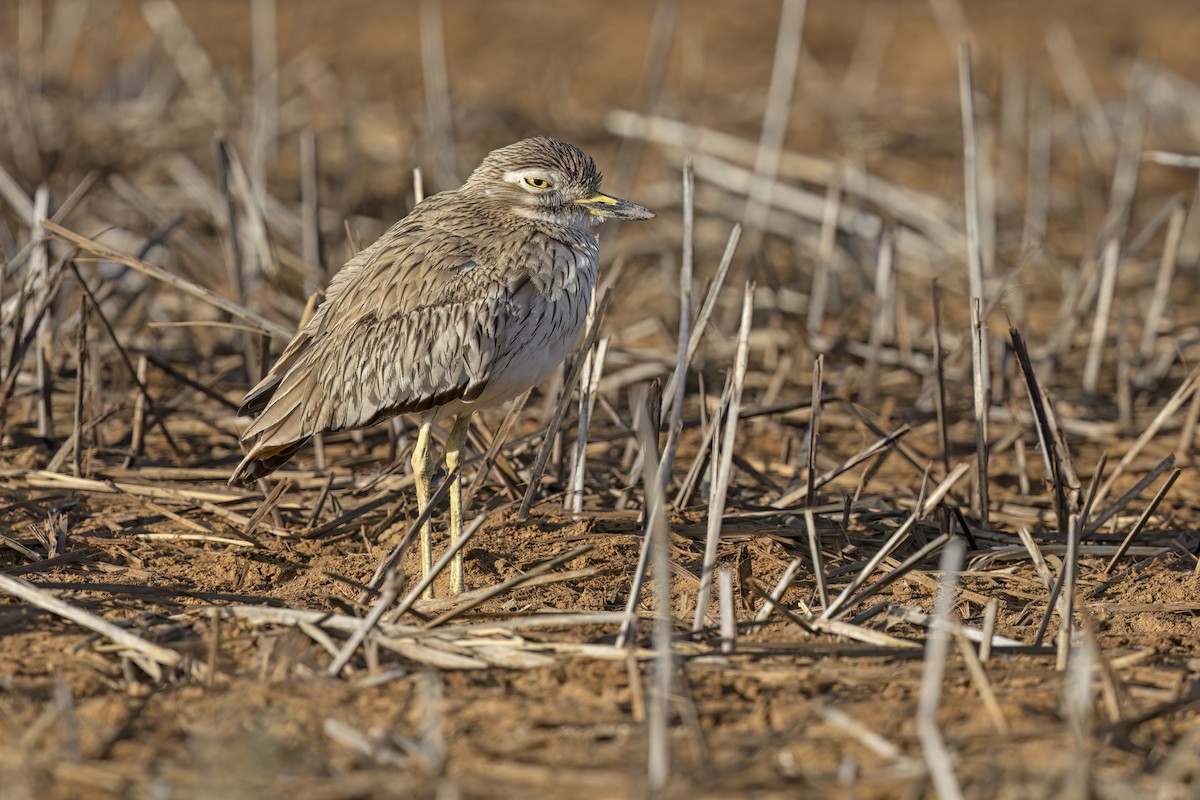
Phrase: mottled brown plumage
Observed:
(471, 299)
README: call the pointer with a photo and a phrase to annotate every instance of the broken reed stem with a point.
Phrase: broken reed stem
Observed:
(39, 269)
(1069, 576)
(678, 383)
(654, 73)
(706, 311)
(979, 678)
(788, 45)
(937, 647)
(1046, 437)
(982, 398)
(883, 445)
(818, 564)
(593, 367)
(159, 419)
(81, 366)
(1119, 504)
(905, 566)
(264, 61)
(872, 564)
(310, 209)
(939, 376)
(392, 560)
(46, 601)
(1185, 449)
(776, 595)
(480, 596)
(389, 593)
(884, 299)
(1143, 519)
(438, 108)
(1090, 498)
(724, 464)
(21, 344)
(1079, 701)
(1178, 398)
(1162, 284)
(966, 97)
(137, 433)
(493, 450)
(709, 445)
(814, 430)
(728, 615)
(990, 613)
(823, 268)
(158, 273)
(658, 543)
(644, 408)
(1108, 286)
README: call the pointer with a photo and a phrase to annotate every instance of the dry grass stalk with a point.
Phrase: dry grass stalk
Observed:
(42, 599)
(677, 384)
(438, 108)
(788, 42)
(1177, 399)
(922, 212)
(475, 599)
(724, 460)
(776, 595)
(727, 613)
(658, 761)
(709, 305)
(1108, 286)
(980, 382)
(814, 550)
(158, 273)
(1143, 519)
(937, 758)
(390, 593)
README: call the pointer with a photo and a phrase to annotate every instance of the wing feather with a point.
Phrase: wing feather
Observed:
(407, 325)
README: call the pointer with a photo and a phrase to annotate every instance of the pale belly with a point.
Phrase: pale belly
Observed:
(531, 356)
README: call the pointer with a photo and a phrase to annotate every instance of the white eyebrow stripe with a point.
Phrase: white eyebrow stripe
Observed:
(515, 176)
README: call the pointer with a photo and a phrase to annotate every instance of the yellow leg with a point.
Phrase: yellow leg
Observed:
(422, 468)
(458, 435)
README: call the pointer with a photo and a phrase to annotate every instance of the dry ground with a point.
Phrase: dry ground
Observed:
(150, 124)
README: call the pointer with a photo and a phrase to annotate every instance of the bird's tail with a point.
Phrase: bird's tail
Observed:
(279, 431)
(264, 459)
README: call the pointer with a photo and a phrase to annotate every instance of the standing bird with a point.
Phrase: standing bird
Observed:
(474, 297)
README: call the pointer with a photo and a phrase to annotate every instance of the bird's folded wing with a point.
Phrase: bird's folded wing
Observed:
(368, 369)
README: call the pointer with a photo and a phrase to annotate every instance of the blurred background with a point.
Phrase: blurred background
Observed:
(205, 167)
(141, 89)
(126, 87)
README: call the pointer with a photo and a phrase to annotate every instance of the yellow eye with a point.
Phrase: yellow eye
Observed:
(534, 182)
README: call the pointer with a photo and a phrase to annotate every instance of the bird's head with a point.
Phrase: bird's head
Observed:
(551, 181)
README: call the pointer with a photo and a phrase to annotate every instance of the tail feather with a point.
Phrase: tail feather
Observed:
(262, 461)
(257, 398)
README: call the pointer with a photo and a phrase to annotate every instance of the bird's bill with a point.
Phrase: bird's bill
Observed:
(605, 207)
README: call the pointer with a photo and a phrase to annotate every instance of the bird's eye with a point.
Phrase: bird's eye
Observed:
(534, 182)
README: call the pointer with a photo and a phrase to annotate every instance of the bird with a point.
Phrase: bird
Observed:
(474, 297)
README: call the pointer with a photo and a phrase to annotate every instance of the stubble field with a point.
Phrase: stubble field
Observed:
(980, 541)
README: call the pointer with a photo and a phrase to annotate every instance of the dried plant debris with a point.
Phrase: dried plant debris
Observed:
(873, 477)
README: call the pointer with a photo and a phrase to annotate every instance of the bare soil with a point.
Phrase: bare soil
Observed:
(505, 700)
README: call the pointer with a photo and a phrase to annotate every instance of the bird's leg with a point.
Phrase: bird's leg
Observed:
(454, 444)
(422, 468)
